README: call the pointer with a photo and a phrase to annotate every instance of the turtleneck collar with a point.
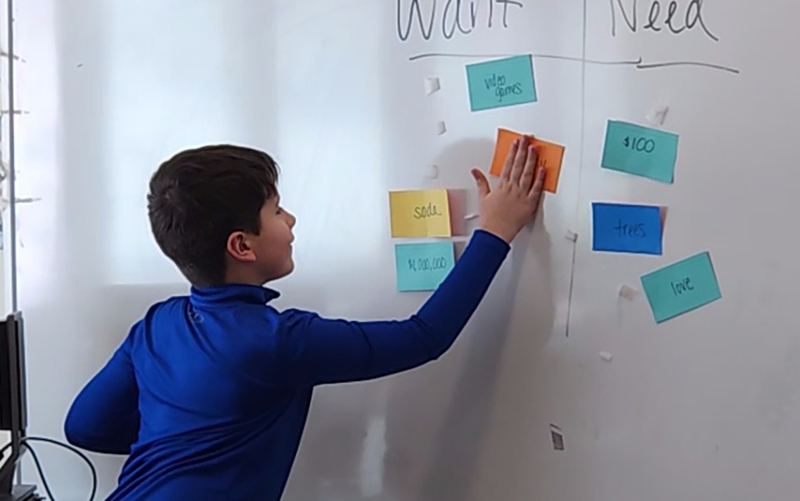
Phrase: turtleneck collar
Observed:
(228, 294)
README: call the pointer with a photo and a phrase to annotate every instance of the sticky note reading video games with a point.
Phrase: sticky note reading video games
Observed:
(551, 156)
(681, 287)
(640, 151)
(626, 228)
(422, 267)
(420, 213)
(501, 82)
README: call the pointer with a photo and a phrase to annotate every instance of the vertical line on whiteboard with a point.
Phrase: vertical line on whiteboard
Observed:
(580, 170)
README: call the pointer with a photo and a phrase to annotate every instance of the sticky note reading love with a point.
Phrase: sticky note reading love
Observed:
(420, 213)
(626, 228)
(640, 151)
(551, 156)
(422, 267)
(681, 287)
(502, 82)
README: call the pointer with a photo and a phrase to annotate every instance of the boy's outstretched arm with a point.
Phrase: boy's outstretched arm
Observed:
(105, 416)
(313, 350)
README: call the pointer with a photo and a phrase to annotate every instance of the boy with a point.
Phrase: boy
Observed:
(209, 393)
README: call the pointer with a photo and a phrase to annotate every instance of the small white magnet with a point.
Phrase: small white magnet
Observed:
(606, 356)
(571, 236)
(441, 128)
(658, 115)
(432, 84)
(433, 172)
(627, 292)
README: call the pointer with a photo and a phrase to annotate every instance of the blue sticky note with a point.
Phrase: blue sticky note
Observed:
(626, 228)
(681, 287)
(640, 151)
(501, 82)
(422, 267)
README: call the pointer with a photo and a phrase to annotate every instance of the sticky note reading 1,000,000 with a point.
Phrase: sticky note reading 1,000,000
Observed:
(640, 151)
(422, 267)
(502, 82)
(681, 287)
(420, 213)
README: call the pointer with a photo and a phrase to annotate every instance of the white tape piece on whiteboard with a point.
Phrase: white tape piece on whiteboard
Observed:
(658, 115)
(441, 127)
(432, 84)
(558, 437)
(626, 292)
(433, 172)
(606, 356)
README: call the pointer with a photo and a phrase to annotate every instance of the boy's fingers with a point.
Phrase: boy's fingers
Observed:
(512, 154)
(519, 160)
(481, 182)
(535, 194)
(530, 168)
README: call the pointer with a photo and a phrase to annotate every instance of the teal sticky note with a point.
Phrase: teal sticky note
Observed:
(501, 82)
(681, 287)
(640, 151)
(422, 267)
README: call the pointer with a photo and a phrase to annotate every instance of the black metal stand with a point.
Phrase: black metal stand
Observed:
(13, 415)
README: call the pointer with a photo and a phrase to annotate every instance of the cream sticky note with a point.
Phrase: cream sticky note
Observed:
(420, 213)
(550, 158)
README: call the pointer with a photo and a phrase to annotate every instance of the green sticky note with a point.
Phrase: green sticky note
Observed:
(501, 82)
(422, 267)
(640, 151)
(681, 287)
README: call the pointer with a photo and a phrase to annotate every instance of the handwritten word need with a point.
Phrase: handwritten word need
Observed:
(673, 17)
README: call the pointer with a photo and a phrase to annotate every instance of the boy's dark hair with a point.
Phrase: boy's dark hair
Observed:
(200, 196)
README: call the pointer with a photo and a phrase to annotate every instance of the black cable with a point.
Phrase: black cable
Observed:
(71, 449)
(40, 469)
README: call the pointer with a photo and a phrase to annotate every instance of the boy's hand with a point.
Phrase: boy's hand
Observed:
(515, 200)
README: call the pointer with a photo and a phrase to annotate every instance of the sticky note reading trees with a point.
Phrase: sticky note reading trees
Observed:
(681, 287)
(502, 82)
(422, 267)
(626, 228)
(640, 151)
(551, 156)
(420, 213)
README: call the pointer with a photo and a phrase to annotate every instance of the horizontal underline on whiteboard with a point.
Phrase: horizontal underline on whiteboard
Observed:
(639, 64)
(540, 56)
(653, 66)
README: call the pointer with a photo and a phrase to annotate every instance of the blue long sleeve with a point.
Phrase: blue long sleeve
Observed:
(313, 350)
(210, 392)
(105, 416)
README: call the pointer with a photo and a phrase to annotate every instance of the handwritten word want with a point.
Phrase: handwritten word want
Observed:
(662, 15)
(456, 16)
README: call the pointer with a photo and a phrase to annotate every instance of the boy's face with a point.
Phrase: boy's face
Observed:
(273, 246)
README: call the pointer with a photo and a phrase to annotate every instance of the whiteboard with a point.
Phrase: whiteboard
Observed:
(697, 408)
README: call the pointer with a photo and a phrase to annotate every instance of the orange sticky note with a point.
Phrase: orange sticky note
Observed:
(550, 157)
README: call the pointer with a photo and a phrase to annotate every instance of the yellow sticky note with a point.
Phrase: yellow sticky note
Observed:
(420, 213)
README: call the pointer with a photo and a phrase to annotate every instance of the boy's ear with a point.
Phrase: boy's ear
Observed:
(239, 248)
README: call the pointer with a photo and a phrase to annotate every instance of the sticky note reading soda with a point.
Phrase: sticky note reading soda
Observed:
(640, 151)
(681, 287)
(420, 213)
(501, 82)
(422, 267)
(626, 228)
(551, 156)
